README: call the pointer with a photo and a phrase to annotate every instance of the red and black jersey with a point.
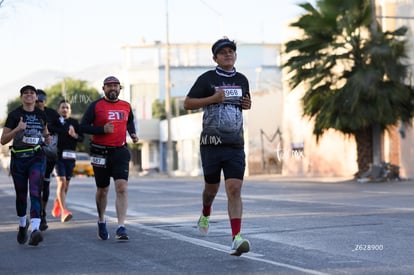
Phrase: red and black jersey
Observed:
(102, 111)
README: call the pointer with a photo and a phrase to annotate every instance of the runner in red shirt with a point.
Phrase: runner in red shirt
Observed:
(108, 119)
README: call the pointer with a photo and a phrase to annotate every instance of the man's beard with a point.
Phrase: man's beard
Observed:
(112, 95)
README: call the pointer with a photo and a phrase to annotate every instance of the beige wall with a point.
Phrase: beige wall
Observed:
(407, 154)
(261, 123)
(334, 154)
(397, 149)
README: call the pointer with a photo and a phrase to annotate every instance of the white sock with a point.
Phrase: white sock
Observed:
(22, 221)
(35, 222)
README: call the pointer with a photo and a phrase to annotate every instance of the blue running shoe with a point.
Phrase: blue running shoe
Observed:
(121, 233)
(102, 232)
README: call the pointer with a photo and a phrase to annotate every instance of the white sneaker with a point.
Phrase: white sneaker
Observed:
(239, 246)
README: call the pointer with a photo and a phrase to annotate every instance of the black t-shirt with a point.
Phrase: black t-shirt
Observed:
(53, 124)
(35, 125)
(222, 122)
(66, 141)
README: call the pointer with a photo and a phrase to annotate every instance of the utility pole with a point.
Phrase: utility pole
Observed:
(168, 94)
(63, 88)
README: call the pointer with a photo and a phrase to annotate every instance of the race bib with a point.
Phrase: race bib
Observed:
(30, 140)
(233, 92)
(67, 154)
(98, 161)
(230, 91)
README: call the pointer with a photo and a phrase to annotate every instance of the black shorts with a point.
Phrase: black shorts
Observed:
(64, 168)
(117, 166)
(215, 159)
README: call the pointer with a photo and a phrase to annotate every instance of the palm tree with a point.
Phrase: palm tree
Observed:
(353, 74)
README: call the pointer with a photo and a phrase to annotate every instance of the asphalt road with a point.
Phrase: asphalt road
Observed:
(295, 226)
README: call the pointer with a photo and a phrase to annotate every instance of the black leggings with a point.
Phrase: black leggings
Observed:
(45, 189)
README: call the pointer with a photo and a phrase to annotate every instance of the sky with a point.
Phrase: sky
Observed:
(65, 37)
(71, 35)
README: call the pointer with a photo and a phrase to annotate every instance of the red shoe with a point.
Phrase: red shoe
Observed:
(56, 209)
(66, 215)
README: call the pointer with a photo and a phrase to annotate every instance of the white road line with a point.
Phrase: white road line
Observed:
(199, 242)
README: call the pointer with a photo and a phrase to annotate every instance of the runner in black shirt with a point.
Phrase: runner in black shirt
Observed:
(51, 154)
(26, 127)
(222, 93)
(69, 135)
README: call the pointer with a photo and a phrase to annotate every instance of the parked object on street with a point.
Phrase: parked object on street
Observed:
(83, 165)
(385, 171)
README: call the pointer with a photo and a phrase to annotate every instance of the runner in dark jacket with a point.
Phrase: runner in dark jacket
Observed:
(69, 136)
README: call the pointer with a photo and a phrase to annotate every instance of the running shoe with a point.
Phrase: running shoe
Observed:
(43, 223)
(56, 209)
(239, 246)
(203, 225)
(22, 234)
(66, 215)
(102, 232)
(35, 238)
(121, 233)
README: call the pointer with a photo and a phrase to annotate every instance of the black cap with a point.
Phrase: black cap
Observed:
(221, 43)
(111, 79)
(27, 87)
(41, 95)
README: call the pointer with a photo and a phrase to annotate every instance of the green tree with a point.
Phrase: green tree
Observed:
(158, 109)
(77, 92)
(13, 104)
(353, 74)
